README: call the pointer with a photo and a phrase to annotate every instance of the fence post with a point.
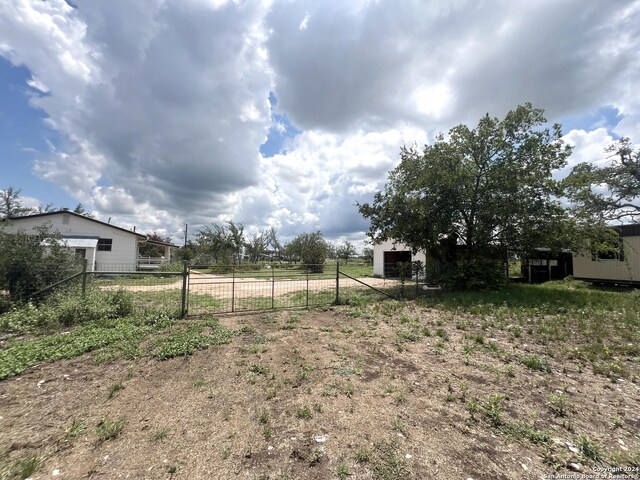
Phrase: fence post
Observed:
(273, 286)
(84, 278)
(233, 288)
(185, 276)
(337, 282)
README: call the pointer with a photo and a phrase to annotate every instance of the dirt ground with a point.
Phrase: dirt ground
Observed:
(321, 394)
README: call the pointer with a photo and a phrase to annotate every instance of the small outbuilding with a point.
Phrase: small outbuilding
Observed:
(387, 255)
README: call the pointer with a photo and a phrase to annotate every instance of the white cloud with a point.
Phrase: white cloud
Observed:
(162, 105)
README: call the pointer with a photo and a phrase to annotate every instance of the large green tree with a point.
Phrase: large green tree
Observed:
(610, 192)
(489, 188)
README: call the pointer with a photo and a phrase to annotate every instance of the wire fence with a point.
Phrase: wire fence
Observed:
(215, 289)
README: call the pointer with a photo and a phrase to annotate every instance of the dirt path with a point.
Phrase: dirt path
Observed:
(223, 287)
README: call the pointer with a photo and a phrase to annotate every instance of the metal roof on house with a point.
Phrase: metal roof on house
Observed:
(68, 212)
(80, 242)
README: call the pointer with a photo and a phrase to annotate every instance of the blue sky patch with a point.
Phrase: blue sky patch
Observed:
(606, 116)
(280, 131)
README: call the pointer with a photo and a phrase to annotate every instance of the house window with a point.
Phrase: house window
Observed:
(104, 244)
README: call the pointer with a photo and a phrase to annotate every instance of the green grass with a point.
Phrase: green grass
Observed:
(109, 429)
(20, 469)
(190, 339)
(77, 428)
(113, 337)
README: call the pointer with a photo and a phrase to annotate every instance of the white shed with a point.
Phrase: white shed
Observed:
(386, 256)
(106, 247)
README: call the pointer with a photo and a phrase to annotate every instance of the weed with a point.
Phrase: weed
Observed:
(398, 425)
(343, 471)
(492, 409)
(267, 432)
(109, 429)
(304, 413)
(23, 468)
(442, 333)
(348, 390)
(389, 465)
(186, 342)
(589, 448)
(473, 407)
(315, 455)
(259, 369)
(558, 404)
(77, 428)
(264, 417)
(160, 434)
(317, 407)
(362, 455)
(347, 371)
(533, 362)
(200, 383)
(115, 389)
(401, 398)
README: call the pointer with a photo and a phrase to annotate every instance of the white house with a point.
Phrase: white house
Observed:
(106, 247)
(386, 256)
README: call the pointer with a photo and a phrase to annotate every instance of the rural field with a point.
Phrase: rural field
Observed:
(527, 381)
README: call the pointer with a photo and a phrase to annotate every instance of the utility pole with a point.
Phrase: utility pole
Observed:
(186, 230)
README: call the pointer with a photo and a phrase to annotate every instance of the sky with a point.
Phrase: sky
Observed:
(286, 113)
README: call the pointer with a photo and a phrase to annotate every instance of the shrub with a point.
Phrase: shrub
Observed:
(67, 308)
(29, 263)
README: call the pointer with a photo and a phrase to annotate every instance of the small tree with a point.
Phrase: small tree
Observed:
(367, 255)
(148, 250)
(345, 251)
(80, 210)
(311, 248)
(30, 262)
(10, 204)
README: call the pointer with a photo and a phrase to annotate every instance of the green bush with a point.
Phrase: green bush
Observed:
(31, 262)
(66, 309)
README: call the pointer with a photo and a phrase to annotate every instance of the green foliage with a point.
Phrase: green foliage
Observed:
(185, 342)
(109, 429)
(621, 179)
(345, 251)
(589, 448)
(534, 362)
(311, 249)
(67, 308)
(477, 194)
(10, 204)
(367, 255)
(29, 263)
(22, 468)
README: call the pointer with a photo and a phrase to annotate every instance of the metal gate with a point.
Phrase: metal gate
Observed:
(232, 288)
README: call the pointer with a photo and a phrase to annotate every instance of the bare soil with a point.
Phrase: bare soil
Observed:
(375, 408)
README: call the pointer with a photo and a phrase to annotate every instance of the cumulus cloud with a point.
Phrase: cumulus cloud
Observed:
(161, 106)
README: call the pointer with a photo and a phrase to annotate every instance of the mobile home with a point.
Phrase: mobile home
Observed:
(617, 268)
